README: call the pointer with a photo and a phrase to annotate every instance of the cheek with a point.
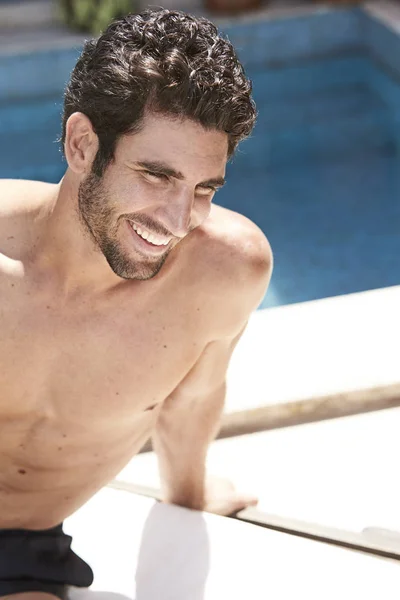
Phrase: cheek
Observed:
(137, 196)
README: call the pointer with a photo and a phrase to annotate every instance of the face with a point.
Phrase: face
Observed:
(157, 190)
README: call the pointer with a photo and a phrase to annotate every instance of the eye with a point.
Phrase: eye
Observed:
(156, 176)
(206, 190)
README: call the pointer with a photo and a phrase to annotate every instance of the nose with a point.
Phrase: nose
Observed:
(176, 212)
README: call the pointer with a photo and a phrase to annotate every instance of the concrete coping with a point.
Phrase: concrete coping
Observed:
(27, 14)
(385, 11)
(339, 472)
(155, 550)
(315, 360)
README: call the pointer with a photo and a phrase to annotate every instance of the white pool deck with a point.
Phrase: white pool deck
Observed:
(339, 473)
(314, 360)
(143, 550)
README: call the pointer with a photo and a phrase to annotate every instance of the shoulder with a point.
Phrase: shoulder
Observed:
(20, 203)
(19, 196)
(237, 244)
(234, 260)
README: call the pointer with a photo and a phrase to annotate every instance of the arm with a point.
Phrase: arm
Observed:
(188, 422)
(190, 417)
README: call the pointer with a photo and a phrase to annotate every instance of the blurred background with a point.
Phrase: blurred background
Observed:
(320, 173)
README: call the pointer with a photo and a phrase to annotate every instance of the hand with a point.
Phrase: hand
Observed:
(223, 499)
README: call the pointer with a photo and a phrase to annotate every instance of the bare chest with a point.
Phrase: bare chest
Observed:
(88, 371)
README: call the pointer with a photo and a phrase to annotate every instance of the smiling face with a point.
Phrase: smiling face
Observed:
(158, 189)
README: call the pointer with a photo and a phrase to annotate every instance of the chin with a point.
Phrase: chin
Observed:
(136, 270)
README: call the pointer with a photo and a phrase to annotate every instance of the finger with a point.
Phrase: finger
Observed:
(240, 503)
(248, 500)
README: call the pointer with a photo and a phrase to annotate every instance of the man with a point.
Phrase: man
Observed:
(124, 290)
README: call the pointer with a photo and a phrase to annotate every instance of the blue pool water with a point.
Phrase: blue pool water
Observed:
(321, 177)
(320, 174)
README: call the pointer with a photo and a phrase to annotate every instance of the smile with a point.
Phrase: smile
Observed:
(149, 237)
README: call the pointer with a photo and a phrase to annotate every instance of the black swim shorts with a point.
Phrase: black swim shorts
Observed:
(40, 561)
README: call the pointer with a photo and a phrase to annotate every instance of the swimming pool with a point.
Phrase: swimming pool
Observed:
(320, 174)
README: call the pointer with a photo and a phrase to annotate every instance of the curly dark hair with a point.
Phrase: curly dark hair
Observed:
(165, 62)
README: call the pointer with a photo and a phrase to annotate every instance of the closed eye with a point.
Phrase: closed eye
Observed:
(207, 189)
(159, 176)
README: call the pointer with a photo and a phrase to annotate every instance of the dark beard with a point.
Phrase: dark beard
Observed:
(101, 224)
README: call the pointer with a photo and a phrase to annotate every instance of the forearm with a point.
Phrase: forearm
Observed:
(181, 440)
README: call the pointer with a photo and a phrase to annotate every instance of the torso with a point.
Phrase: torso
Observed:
(82, 384)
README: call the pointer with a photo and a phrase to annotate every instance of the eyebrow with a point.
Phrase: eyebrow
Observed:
(163, 169)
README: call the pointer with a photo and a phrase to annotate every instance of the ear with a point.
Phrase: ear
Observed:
(81, 143)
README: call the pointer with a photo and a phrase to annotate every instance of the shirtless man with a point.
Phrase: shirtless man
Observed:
(124, 290)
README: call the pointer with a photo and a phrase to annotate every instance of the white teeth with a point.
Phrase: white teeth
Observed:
(146, 235)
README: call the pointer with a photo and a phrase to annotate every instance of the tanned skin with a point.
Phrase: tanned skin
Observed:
(107, 340)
